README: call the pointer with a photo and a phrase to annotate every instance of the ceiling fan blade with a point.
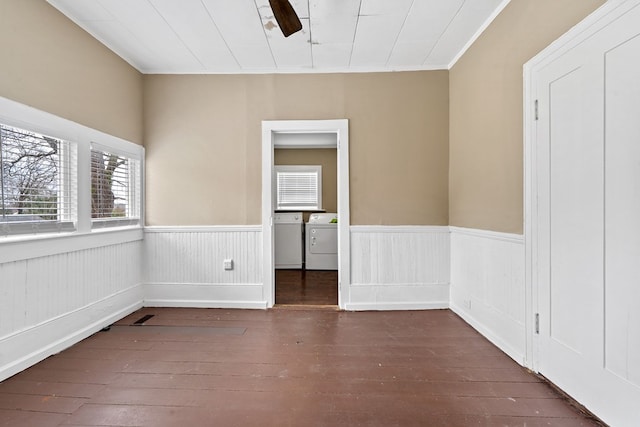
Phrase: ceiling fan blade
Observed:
(285, 16)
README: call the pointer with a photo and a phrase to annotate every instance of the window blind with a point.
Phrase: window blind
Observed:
(115, 189)
(38, 183)
(298, 187)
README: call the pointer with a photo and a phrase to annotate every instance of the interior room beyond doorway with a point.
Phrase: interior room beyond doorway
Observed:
(304, 286)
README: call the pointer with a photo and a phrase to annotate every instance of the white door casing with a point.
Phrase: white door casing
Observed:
(285, 129)
(582, 204)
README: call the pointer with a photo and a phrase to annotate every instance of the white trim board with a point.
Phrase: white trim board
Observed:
(400, 229)
(24, 349)
(201, 228)
(199, 303)
(54, 244)
(478, 33)
(488, 234)
(397, 306)
(204, 295)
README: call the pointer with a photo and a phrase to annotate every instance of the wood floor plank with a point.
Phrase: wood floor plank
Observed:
(50, 388)
(36, 373)
(40, 403)
(284, 368)
(11, 418)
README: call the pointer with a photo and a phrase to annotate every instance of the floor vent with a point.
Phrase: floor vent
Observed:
(143, 319)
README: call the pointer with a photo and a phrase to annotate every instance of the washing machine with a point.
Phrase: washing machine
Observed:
(288, 246)
(321, 242)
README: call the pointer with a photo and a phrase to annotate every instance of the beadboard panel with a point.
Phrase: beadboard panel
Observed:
(184, 267)
(52, 302)
(399, 267)
(488, 286)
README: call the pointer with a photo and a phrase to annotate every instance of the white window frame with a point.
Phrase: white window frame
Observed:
(306, 169)
(134, 178)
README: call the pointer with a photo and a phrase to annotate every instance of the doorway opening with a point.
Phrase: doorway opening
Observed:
(306, 287)
(305, 250)
(311, 274)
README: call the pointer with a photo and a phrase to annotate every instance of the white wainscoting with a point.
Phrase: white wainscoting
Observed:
(488, 286)
(184, 267)
(51, 302)
(399, 268)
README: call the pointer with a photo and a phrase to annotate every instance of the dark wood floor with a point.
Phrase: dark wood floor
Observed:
(281, 367)
(307, 287)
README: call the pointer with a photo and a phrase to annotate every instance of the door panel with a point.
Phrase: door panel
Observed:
(622, 207)
(575, 254)
(571, 149)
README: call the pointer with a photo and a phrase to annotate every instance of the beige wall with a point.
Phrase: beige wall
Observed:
(51, 64)
(486, 97)
(325, 157)
(203, 142)
(432, 147)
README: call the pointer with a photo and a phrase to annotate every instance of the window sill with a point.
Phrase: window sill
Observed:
(302, 210)
(17, 248)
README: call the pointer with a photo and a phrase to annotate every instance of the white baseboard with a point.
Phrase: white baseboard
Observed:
(183, 303)
(386, 306)
(205, 295)
(24, 348)
(490, 334)
(398, 296)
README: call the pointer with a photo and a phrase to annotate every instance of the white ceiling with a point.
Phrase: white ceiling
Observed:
(241, 36)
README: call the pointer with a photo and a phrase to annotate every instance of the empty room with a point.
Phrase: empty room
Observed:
(319, 212)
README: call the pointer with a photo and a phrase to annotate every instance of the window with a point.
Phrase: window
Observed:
(298, 187)
(55, 179)
(115, 188)
(37, 182)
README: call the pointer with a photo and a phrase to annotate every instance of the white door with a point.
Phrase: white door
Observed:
(588, 220)
(571, 220)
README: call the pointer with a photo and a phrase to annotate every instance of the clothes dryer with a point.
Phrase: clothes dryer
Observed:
(321, 242)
